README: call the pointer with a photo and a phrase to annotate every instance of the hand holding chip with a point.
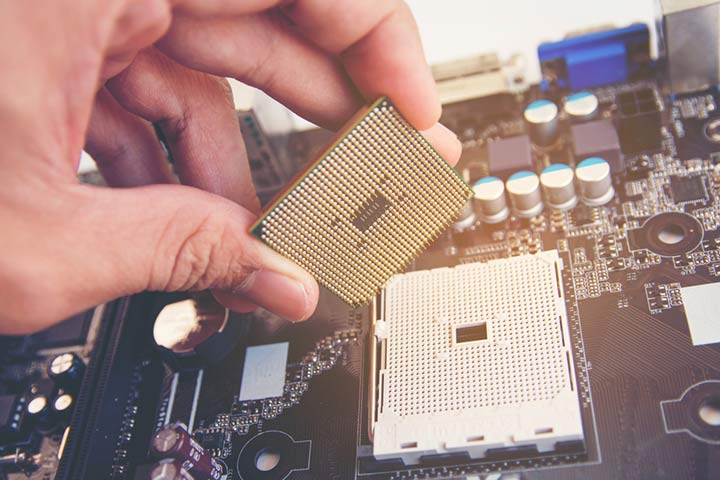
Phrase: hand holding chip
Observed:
(98, 75)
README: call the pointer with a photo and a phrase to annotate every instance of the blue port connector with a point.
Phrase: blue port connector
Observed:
(595, 59)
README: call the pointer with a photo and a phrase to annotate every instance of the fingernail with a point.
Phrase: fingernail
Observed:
(445, 142)
(446, 130)
(278, 293)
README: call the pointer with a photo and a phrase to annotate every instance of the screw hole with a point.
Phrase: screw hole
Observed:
(709, 411)
(267, 459)
(671, 234)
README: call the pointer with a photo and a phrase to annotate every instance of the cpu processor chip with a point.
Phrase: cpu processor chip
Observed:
(474, 359)
(367, 207)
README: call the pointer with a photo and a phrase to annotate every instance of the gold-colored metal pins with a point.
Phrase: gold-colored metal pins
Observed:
(367, 207)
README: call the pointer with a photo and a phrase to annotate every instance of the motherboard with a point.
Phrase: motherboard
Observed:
(564, 327)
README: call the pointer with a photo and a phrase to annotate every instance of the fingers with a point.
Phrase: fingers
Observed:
(124, 146)
(379, 44)
(222, 7)
(196, 114)
(260, 50)
(139, 24)
(445, 142)
(201, 241)
(376, 41)
(162, 237)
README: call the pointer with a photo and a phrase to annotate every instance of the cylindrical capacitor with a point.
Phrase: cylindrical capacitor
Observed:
(594, 181)
(581, 106)
(524, 190)
(558, 183)
(66, 369)
(169, 469)
(38, 412)
(541, 118)
(174, 441)
(62, 405)
(466, 218)
(490, 198)
(38, 407)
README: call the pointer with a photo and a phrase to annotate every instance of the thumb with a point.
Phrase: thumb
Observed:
(175, 238)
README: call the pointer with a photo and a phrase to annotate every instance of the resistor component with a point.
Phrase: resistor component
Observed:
(541, 119)
(558, 183)
(173, 441)
(490, 199)
(594, 181)
(581, 106)
(524, 190)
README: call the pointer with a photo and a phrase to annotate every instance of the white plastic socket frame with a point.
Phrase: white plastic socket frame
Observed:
(473, 358)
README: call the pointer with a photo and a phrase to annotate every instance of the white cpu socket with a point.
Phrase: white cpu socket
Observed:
(473, 358)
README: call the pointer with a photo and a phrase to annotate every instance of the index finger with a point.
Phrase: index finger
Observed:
(379, 44)
(376, 40)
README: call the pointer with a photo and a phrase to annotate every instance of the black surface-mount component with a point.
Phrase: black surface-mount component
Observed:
(582, 216)
(639, 121)
(509, 155)
(214, 440)
(639, 168)
(598, 139)
(688, 189)
(699, 138)
(72, 331)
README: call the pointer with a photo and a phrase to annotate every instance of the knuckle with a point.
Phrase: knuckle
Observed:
(256, 69)
(177, 125)
(207, 257)
(109, 153)
(150, 19)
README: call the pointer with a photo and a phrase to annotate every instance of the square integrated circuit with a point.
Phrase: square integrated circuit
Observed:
(688, 189)
(367, 207)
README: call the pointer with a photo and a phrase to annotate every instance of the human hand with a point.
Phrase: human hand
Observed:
(96, 74)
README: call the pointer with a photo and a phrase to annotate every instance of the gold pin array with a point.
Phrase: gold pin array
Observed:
(361, 213)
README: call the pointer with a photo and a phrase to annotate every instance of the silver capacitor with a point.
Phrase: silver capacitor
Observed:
(524, 190)
(594, 181)
(558, 184)
(490, 200)
(466, 219)
(541, 119)
(581, 106)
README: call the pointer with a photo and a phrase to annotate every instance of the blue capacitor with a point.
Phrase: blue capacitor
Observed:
(594, 181)
(541, 118)
(524, 190)
(558, 184)
(581, 105)
(490, 199)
